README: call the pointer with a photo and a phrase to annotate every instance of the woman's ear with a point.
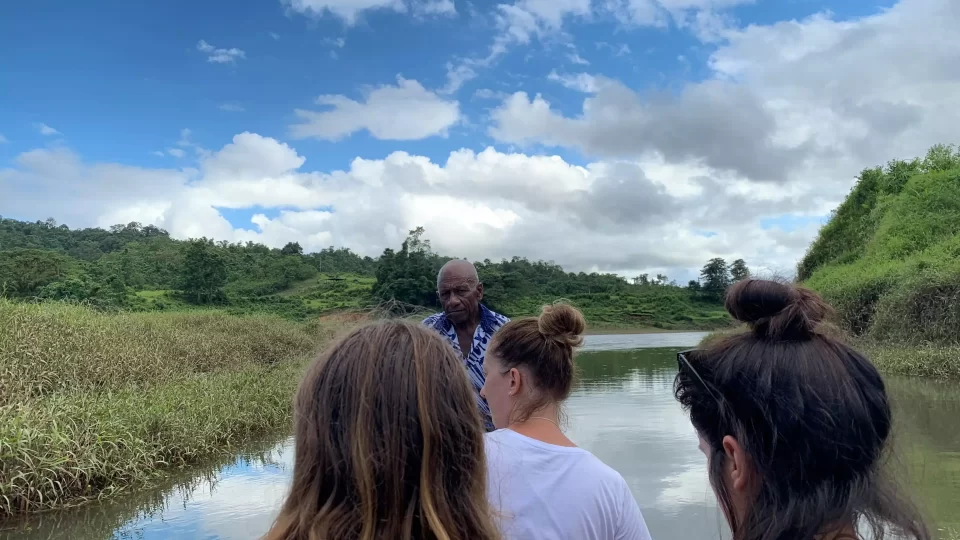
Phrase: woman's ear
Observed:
(516, 381)
(739, 471)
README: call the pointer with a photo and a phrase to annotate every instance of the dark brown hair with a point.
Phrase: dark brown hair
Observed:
(389, 443)
(811, 413)
(543, 345)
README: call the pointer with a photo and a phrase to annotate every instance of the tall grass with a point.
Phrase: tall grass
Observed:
(92, 404)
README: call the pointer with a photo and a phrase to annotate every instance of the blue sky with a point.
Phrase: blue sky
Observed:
(720, 105)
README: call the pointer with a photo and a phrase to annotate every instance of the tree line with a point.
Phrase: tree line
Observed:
(105, 267)
(45, 260)
(409, 276)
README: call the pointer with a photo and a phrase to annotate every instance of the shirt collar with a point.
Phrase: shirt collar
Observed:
(488, 321)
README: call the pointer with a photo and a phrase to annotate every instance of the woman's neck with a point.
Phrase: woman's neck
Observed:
(543, 425)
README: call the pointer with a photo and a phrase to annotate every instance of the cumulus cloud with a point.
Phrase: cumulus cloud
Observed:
(784, 100)
(407, 111)
(176, 152)
(220, 56)
(609, 215)
(46, 130)
(787, 115)
(581, 82)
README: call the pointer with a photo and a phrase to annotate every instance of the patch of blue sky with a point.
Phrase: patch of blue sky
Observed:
(791, 222)
(771, 12)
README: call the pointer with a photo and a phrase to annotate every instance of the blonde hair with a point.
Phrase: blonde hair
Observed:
(389, 443)
(545, 346)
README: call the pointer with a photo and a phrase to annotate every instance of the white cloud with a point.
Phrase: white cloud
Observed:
(486, 93)
(575, 58)
(3, 140)
(435, 7)
(610, 215)
(231, 107)
(582, 82)
(406, 111)
(176, 152)
(457, 75)
(350, 10)
(220, 56)
(275, 36)
(157, 153)
(620, 49)
(46, 130)
(776, 109)
(786, 117)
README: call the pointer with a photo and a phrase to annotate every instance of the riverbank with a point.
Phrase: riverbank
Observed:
(636, 330)
(92, 404)
(940, 362)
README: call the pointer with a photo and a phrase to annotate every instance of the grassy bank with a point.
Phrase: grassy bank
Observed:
(92, 404)
(889, 262)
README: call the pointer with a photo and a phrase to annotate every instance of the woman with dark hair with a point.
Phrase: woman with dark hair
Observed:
(389, 443)
(794, 424)
(541, 484)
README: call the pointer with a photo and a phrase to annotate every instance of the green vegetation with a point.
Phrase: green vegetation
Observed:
(92, 404)
(137, 268)
(889, 261)
(518, 287)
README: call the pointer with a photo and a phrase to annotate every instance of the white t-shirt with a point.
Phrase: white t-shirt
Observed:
(548, 492)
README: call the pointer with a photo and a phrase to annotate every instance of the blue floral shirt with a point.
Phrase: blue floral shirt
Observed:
(490, 322)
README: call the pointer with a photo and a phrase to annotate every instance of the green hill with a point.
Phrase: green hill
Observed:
(889, 258)
(141, 268)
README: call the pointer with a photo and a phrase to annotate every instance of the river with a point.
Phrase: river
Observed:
(623, 411)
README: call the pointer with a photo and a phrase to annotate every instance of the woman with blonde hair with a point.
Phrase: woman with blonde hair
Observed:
(542, 485)
(389, 443)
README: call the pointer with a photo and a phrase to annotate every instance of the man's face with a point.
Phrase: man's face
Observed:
(460, 295)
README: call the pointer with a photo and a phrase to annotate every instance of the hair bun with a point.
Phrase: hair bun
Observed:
(776, 310)
(562, 323)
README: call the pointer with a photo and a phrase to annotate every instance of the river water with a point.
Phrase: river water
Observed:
(623, 411)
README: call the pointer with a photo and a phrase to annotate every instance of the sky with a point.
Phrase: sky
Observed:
(621, 136)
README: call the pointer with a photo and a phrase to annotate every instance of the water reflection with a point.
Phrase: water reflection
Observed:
(623, 411)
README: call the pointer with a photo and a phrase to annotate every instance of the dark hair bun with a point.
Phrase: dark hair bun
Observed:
(776, 310)
(562, 323)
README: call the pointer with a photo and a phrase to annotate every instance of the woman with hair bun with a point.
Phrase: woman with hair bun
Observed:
(794, 423)
(543, 486)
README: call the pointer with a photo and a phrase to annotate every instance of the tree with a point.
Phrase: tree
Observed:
(739, 271)
(204, 272)
(694, 285)
(292, 248)
(409, 275)
(714, 277)
(23, 272)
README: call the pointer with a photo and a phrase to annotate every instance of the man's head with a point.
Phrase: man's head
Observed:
(460, 291)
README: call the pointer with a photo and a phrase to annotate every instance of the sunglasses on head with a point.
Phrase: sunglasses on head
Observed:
(683, 363)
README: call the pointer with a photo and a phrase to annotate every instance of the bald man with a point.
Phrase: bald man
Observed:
(466, 322)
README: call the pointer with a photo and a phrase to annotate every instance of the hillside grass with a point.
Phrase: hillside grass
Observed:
(889, 262)
(659, 308)
(93, 404)
(646, 309)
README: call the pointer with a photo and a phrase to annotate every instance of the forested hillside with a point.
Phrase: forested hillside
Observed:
(889, 258)
(140, 268)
